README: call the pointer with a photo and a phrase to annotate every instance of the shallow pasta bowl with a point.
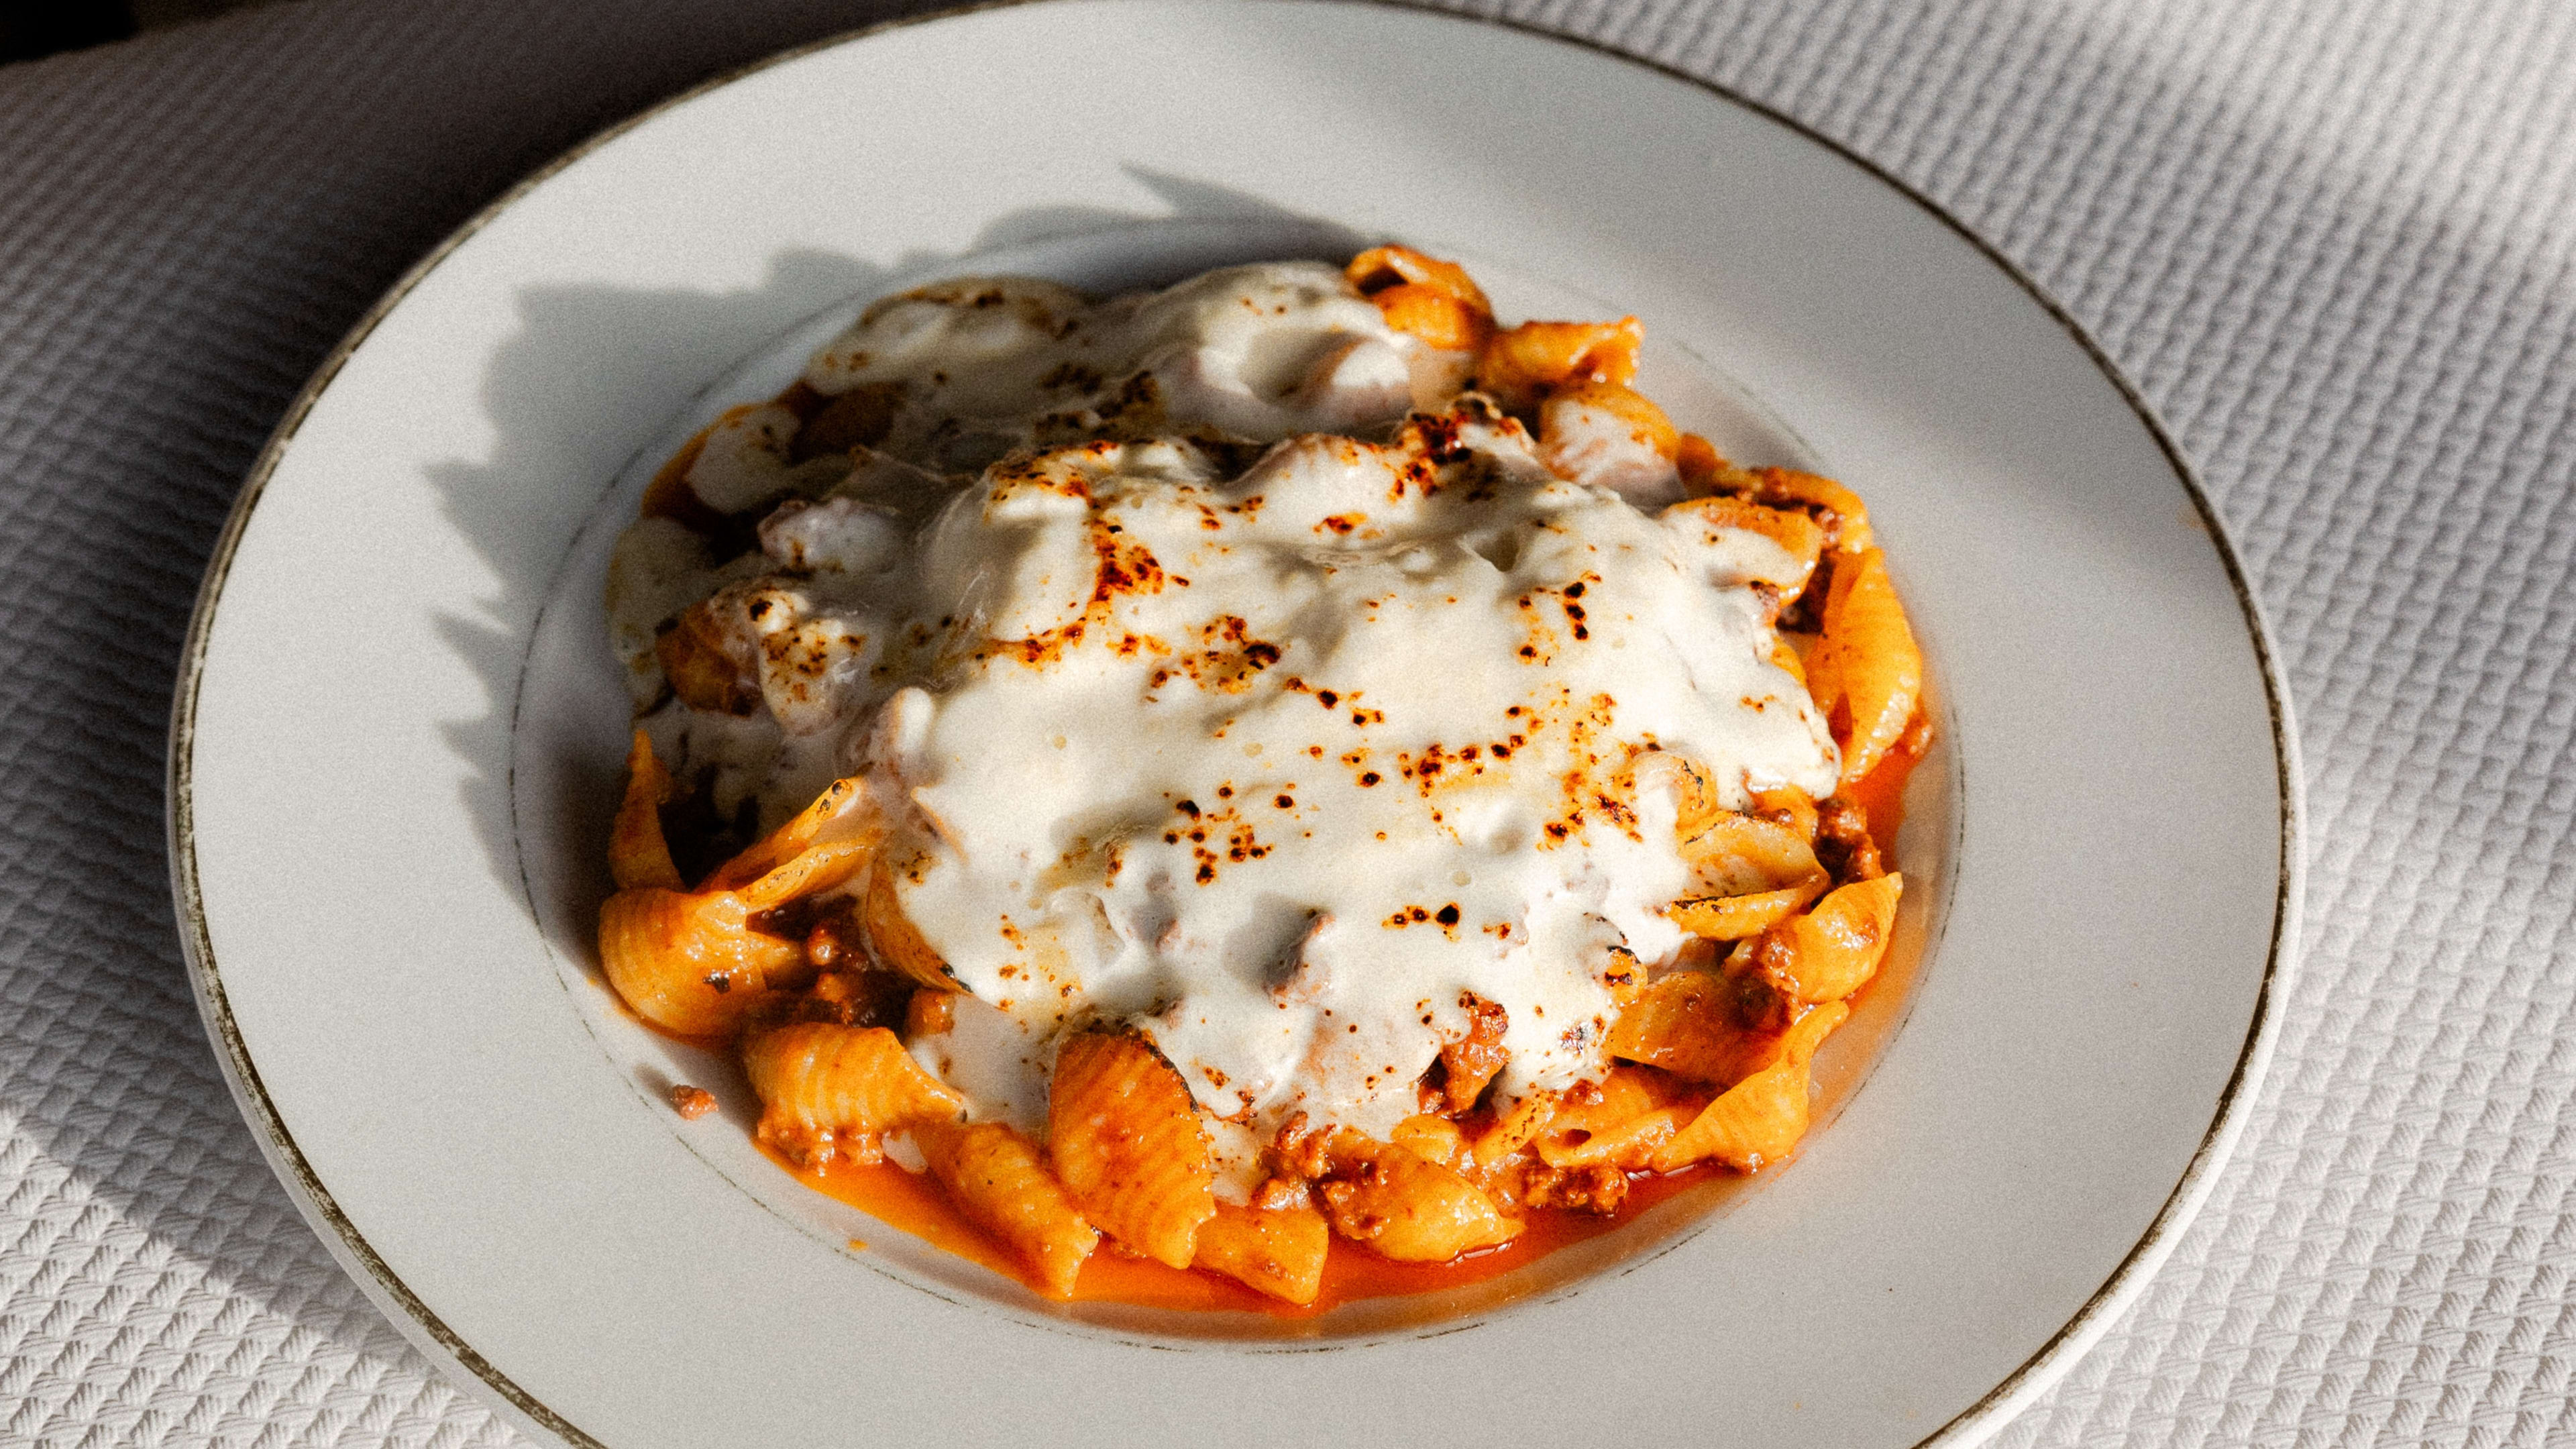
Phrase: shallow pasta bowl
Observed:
(396, 740)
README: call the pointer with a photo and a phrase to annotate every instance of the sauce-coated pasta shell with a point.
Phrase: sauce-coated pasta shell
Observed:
(832, 1091)
(892, 938)
(1405, 1208)
(1785, 658)
(1791, 807)
(1279, 1251)
(638, 854)
(1833, 950)
(840, 812)
(1758, 1120)
(1513, 1130)
(1732, 918)
(1522, 364)
(1433, 1139)
(1735, 855)
(1439, 318)
(1431, 299)
(1688, 1023)
(1845, 517)
(1619, 1124)
(1126, 1142)
(1866, 672)
(818, 869)
(689, 963)
(1705, 471)
(1380, 268)
(995, 1177)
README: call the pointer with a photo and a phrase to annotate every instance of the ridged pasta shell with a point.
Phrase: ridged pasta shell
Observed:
(1687, 1024)
(996, 1178)
(1433, 1139)
(1619, 1124)
(1279, 1251)
(892, 938)
(808, 872)
(1784, 657)
(842, 804)
(1379, 270)
(1520, 365)
(1847, 517)
(1668, 773)
(1736, 854)
(1405, 1208)
(1513, 1130)
(1441, 319)
(1732, 918)
(1706, 472)
(1126, 1142)
(1833, 950)
(828, 1090)
(688, 963)
(1866, 672)
(1759, 1119)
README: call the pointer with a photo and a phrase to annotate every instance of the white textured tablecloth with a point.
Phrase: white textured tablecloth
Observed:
(2332, 242)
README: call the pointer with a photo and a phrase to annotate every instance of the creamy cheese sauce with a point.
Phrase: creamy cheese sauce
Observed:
(1276, 764)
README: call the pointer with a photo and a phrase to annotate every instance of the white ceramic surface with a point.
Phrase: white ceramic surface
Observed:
(388, 772)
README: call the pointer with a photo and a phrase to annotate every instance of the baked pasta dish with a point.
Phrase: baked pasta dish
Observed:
(1280, 785)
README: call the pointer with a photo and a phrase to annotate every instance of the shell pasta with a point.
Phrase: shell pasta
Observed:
(1286, 783)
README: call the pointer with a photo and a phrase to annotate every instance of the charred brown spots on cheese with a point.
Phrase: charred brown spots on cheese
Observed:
(1446, 917)
(1229, 659)
(1586, 789)
(1216, 838)
(1122, 568)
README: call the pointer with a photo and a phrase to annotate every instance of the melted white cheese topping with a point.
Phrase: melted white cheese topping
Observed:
(1273, 767)
(1276, 768)
(1260, 352)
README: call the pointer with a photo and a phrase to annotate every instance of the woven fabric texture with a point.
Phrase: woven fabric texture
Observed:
(2332, 243)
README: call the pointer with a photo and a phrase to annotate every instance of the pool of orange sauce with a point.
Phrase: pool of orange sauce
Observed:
(915, 1203)
(1881, 792)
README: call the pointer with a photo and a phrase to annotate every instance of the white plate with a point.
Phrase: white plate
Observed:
(395, 745)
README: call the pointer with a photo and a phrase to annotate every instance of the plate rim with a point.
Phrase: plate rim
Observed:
(421, 1324)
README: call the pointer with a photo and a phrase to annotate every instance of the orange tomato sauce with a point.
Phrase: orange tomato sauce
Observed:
(916, 1205)
(1881, 792)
